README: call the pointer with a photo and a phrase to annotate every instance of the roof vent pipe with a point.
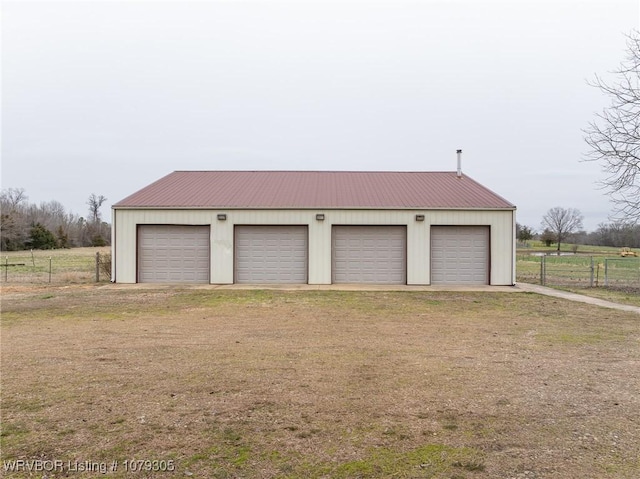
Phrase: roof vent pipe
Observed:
(459, 173)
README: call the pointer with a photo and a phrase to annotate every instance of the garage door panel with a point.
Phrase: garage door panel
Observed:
(460, 254)
(173, 253)
(271, 254)
(369, 254)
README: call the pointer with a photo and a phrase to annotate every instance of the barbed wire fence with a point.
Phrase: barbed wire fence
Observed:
(55, 267)
(70, 266)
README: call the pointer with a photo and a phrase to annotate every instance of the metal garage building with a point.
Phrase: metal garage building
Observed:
(257, 227)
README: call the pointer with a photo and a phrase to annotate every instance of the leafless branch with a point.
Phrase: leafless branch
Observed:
(614, 136)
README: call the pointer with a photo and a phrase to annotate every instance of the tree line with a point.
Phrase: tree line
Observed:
(25, 225)
(616, 234)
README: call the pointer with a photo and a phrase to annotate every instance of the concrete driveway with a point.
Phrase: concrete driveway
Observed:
(535, 288)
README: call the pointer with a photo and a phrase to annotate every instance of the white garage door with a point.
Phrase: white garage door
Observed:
(271, 254)
(460, 255)
(369, 254)
(173, 254)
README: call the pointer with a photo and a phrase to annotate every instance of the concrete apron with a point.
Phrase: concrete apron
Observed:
(317, 287)
(518, 288)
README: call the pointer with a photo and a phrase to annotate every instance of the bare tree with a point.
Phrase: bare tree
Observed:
(95, 203)
(614, 137)
(97, 230)
(18, 217)
(12, 198)
(562, 222)
(616, 234)
(14, 227)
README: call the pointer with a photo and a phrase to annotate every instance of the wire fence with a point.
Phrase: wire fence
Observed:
(81, 265)
(579, 271)
(620, 272)
(87, 265)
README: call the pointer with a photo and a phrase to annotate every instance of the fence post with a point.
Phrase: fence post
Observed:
(541, 272)
(591, 279)
(6, 269)
(97, 266)
(606, 272)
(49, 269)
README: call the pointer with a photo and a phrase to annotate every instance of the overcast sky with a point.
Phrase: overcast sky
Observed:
(106, 97)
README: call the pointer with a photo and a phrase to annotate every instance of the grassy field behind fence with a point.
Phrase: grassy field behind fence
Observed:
(579, 271)
(76, 265)
(622, 271)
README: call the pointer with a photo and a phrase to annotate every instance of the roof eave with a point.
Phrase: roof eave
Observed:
(309, 208)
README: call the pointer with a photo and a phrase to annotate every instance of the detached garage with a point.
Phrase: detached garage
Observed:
(315, 227)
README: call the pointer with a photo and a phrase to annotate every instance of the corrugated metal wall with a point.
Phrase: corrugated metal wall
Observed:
(502, 223)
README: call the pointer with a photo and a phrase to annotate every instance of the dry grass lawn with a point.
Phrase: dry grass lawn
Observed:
(319, 384)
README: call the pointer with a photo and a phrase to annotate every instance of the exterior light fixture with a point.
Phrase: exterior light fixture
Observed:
(419, 217)
(320, 217)
(222, 217)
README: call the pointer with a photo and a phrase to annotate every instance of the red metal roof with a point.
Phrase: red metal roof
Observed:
(315, 189)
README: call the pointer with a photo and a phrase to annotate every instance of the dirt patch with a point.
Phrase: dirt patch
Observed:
(262, 384)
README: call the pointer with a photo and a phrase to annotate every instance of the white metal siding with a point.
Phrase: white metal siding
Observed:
(460, 255)
(502, 253)
(173, 254)
(271, 254)
(369, 254)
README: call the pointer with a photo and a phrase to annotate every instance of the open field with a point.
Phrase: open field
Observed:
(318, 384)
(69, 266)
(539, 246)
(574, 273)
(614, 278)
(78, 266)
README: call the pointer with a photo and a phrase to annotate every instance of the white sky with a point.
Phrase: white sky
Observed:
(106, 97)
